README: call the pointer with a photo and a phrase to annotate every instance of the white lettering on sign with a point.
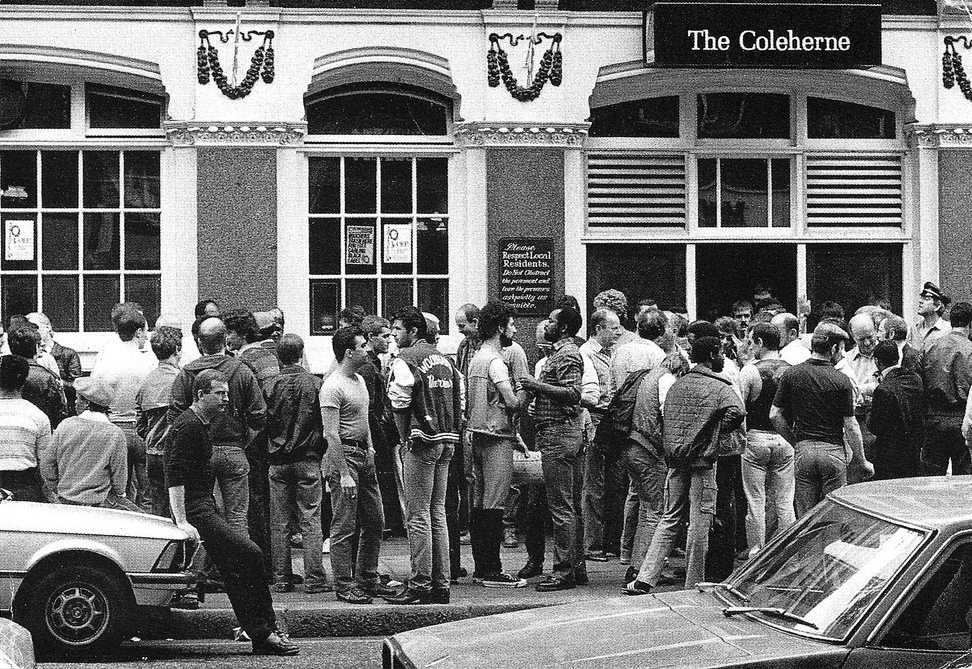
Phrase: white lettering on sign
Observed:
(749, 40)
(360, 245)
(19, 238)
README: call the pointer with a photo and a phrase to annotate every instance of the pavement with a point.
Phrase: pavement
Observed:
(322, 615)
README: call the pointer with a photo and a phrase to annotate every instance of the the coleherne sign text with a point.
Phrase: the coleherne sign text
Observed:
(526, 275)
(731, 34)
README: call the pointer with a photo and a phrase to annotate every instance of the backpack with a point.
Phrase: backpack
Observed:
(615, 426)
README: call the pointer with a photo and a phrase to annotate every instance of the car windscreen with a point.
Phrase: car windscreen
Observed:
(828, 569)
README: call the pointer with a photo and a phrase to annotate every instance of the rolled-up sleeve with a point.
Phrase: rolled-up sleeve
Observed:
(401, 381)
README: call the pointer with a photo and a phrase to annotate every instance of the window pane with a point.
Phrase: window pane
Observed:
(707, 192)
(396, 186)
(324, 185)
(433, 185)
(18, 295)
(59, 179)
(835, 119)
(21, 229)
(18, 168)
(142, 242)
(142, 179)
(324, 246)
(101, 293)
(147, 291)
(376, 113)
(781, 192)
(744, 115)
(60, 241)
(359, 185)
(48, 106)
(363, 292)
(745, 184)
(433, 297)
(324, 300)
(654, 117)
(110, 107)
(395, 294)
(101, 242)
(359, 247)
(433, 246)
(637, 270)
(854, 274)
(61, 302)
(396, 248)
(100, 179)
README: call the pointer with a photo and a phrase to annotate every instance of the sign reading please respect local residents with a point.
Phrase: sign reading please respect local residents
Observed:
(526, 275)
(740, 34)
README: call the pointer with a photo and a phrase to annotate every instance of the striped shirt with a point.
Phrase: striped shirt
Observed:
(25, 432)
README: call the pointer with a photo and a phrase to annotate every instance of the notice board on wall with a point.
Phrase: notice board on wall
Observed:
(526, 274)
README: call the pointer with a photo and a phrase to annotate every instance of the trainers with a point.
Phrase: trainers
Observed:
(327, 546)
(625, 556)
(283, 586)
(187, 600)
(531, 569)
(316, 588)
(278, 643)
(509, 538)
(554, 583)
(596, 556)
(502, 580)
(635, 588)
(353, 596)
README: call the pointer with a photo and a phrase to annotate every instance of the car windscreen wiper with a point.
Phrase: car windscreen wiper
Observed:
(703, 587)
(772, 611)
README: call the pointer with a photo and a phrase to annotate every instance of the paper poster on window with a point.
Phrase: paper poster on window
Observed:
(398, 243)
(360, 248)
(19, 240)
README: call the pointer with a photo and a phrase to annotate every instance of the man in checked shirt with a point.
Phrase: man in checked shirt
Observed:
(559, 430)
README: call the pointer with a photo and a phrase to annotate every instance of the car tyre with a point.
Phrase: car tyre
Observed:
(78, 610)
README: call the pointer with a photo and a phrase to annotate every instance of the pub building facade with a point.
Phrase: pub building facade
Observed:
(405, 153)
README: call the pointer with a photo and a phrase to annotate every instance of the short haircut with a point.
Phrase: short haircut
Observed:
(412, 318)
(343, 340)
(470, 311)
(568, 301)
(13, 372)
(127, 321)
(790, 322)
(166, 341)
(194, 328)
(961, 314)
(704, 347)
(353, 314)
(494, 316)
(23, 342)
(204, 381)
(831, 309)
(699, 329)
(372, 325)
(16, 321)
(646, 302)
(679, 323)
(213, 342)
(243, 323)
(770, 304)
(652, 324)
(290, 348)
(767, 334)
(432, 327)
(897, 327)
(570, 319)
(611, 299)
(201, 305)
(725, 324)
(599, 317)
(886, 353)
(741, 304)
(40, 316)
(763, 286)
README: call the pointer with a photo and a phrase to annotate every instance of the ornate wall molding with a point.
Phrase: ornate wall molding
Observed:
(183, 133)
(940, 135)
(566, 135)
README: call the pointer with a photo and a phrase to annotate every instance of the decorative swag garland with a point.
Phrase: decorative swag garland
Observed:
(952, 69)
(498, 66)
(207, 60)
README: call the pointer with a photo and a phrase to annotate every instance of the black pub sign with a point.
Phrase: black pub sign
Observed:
(526, 274)
(758, 34)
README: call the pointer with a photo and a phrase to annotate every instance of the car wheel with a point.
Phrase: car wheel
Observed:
(78, 609)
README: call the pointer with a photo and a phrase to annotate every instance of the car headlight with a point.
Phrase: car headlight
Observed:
(175, 557)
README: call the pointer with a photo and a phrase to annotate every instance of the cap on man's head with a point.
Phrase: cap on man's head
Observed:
(931, 290)
(94, 390)
(826, 329)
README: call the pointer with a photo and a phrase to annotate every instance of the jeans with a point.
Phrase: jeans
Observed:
(138, 483)
(691, 494)
(560, 445)
(426, 473)
(232, 469)
(295, 490)
(492, 461)
(258, 508)
(158, 493)
(722, 537)
(648, 472)
(818, 468)
(944, 442)
(360, 516)
(630, 515)
(768, 480)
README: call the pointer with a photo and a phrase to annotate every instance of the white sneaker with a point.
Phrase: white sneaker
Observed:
(327, 546)
(503, 581)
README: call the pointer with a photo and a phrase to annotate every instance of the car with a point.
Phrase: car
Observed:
(879, 574)
(81, 578)
(16, 646)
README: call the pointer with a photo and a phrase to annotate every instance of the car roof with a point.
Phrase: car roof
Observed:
(934, 502)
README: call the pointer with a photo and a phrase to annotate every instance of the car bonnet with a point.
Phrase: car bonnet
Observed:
(683, 628)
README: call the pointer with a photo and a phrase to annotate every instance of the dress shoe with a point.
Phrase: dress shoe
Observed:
(410, 596)
(555, 583)
(531, 569)
(278, 643)
(378, 589)
(439, 596)
(353, 596)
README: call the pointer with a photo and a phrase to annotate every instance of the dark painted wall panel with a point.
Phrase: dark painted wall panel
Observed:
(955, 223)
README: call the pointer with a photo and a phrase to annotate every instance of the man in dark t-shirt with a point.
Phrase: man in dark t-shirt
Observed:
(814, 410)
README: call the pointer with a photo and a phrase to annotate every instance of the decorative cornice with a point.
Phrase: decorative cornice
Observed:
(478, 133)
(940, 135)
(185, 133)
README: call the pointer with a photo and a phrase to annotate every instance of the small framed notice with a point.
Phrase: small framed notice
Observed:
(526, 274)
(19, 240)
(360, 245)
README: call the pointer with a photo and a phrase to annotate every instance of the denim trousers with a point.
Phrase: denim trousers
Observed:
(818, 468)
(295, 492)
(631, 513)
(137, 489)
(768, 481)
(560, 445)
(158, 493)
(426, 472)
(232, 470)
(690, 495)
(944, 442)
(647, 471)
(358, 517)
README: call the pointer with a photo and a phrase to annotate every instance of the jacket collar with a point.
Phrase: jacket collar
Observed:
(705, 371)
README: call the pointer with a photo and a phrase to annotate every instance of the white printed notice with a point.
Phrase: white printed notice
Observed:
(398, 243)
(19, 240)
(360, 245)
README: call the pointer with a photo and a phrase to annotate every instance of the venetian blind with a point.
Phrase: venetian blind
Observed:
(635, 190)
(854, 190)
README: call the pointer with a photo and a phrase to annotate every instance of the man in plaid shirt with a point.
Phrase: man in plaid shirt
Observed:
(559, 430)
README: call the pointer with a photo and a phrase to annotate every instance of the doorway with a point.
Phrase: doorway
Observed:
(726, 273)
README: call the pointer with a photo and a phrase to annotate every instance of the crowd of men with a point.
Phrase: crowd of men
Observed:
(718, 434)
